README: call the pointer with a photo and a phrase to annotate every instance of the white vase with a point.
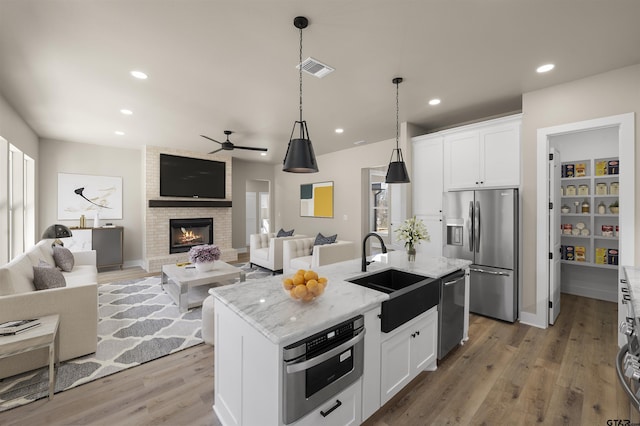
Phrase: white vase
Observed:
(204, 266)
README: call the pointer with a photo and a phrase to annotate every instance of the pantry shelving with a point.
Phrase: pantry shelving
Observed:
(590, 224)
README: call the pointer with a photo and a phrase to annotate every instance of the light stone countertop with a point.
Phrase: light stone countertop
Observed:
(266, 306)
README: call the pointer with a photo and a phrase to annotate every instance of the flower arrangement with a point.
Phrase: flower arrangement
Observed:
(412, 231)
(204, 253)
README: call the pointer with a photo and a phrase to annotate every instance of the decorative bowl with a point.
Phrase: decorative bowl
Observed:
(614, 209)
(304, 286)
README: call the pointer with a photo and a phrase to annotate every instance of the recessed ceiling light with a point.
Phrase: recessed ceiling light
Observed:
(139, 74)
(119, 132)
(264, 154)
(126, 111)
(338, 130)
(545, 68)
(434, 101)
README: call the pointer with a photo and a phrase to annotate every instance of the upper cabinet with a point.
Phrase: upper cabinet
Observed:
(483, 155)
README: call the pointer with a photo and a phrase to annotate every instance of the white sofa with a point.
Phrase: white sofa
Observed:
(296, 254)
(266, 250)
(76, 303)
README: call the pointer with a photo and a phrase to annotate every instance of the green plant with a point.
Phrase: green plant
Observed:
(614, 204)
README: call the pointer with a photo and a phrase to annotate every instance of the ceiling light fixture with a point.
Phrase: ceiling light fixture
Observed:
(126, 111)
(139, 75)
(119, 132)
(397, 172)
(338, 130)
(545, 68)
(435, 101)
(300, 157)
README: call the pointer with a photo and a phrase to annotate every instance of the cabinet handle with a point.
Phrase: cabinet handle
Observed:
(417, 333)
(330, 410)
(413, 335)
(623, 281)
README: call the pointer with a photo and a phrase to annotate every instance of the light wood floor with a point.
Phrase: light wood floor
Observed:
(506, 374)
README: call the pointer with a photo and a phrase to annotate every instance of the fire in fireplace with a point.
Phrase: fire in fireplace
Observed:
(186, 233)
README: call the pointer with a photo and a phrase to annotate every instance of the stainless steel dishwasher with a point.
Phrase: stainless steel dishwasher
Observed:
(451, 312)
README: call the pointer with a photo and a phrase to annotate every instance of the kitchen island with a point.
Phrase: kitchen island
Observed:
(255, 320)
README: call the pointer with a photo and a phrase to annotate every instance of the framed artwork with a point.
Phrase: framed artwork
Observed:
(86, 194)
(316, 199)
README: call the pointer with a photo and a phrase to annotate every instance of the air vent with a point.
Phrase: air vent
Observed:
(315, 67)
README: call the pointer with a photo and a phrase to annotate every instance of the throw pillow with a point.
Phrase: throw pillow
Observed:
(283, 233)
(45, 276)
(63, 258)
(322, 240)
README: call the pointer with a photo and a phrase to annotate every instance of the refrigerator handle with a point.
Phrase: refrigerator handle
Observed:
(471, 226)
(476, 227)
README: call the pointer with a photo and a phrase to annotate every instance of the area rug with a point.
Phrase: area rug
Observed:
(138, 322)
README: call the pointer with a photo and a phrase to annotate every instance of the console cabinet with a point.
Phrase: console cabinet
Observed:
(407, 351)
(107, 242)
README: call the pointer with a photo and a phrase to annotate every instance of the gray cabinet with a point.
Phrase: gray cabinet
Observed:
(108, 244)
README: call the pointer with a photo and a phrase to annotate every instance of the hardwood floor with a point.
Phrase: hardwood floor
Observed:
(505, 374)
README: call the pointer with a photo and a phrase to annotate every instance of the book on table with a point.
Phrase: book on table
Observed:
(13, 327)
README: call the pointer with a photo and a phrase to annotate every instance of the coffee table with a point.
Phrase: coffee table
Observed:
(178, 280)
(41, 336)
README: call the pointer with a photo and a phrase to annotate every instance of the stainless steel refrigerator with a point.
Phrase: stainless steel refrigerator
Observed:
(482, 226)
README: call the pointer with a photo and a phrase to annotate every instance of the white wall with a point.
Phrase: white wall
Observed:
(81, 158)
(344, 169)
(602, 95)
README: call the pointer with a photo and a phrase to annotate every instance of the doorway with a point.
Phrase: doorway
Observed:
(258, 208)
(623, 127)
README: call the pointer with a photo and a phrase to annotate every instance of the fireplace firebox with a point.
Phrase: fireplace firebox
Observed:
(186, 233)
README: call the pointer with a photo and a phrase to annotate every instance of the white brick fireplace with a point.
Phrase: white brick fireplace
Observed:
(156, 233)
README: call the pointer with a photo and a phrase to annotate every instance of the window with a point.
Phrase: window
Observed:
(379, 203)
(17, 203)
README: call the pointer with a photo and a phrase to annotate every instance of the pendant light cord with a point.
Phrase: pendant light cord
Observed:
(397, 116)
(300, 69)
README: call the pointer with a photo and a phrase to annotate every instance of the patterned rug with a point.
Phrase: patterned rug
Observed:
(138, 322)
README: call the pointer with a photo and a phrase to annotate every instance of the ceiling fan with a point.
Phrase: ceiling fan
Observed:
(228, 146)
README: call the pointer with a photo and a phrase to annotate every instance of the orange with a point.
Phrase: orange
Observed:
(292, 292)
(300, 291)
(312, 285)
(322, 280)
(319, 290)
(300, 272)
(287, 283)
(310, 275)
(297, 280)
(308, 298)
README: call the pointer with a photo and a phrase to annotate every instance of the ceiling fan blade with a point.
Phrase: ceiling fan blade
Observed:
(250, 148)
(217, 150)
(211, 139)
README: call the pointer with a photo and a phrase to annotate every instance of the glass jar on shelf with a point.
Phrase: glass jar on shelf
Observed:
(585, 207)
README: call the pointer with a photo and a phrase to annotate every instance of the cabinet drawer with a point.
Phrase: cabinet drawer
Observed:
(343, 409)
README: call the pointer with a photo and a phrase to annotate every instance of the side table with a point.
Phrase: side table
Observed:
(41, 336)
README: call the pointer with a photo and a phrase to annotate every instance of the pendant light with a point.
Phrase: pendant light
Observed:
(397, 172)
(300, 157)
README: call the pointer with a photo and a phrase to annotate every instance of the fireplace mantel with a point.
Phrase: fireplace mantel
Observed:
(189, 203)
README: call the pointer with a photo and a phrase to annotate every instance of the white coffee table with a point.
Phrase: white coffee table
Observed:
(41, 336)
(178, 280)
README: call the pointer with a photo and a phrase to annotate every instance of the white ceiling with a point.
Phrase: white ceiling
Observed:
(216, 65)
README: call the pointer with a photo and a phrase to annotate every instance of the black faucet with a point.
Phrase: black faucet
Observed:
(365, 262)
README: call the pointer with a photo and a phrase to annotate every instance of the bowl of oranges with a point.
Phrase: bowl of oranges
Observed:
(304, 286)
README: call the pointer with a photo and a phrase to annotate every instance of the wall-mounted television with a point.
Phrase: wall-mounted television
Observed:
(191, 177)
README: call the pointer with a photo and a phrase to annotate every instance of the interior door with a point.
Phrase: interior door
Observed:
(251, 219)
(554, 235)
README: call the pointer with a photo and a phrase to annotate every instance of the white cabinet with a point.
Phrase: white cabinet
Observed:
(407, 351)
(343, 409)
(427, 175)
(427, 190)
(483, 155)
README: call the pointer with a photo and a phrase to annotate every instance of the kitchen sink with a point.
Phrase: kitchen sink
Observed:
(409, 295)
